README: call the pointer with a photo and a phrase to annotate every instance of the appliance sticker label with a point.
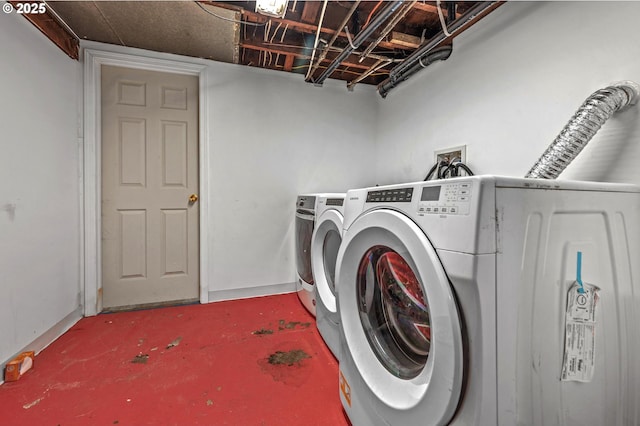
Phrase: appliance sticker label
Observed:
(345, 389)
(580, 332)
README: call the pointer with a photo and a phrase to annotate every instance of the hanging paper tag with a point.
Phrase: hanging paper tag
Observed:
(580, 333)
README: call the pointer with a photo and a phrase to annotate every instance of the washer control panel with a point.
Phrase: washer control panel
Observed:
(447, 198)
(398, 195)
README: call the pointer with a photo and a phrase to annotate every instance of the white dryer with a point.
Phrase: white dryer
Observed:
(325, 243)
(306, 206)
(459, 303)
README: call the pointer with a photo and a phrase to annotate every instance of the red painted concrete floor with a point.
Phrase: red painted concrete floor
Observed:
(248, 362)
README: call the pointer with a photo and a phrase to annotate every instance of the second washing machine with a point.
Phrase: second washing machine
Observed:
(325, 244)
(305, 222)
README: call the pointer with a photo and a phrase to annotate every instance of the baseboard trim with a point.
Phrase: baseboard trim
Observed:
(245, 293)
(48, 337)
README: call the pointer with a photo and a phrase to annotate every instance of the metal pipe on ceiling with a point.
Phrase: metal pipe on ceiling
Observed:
(380, 63)
(388, 28)
(359, 39)
(315, 43)
(398, 74)
(333, 39)
(440, 54)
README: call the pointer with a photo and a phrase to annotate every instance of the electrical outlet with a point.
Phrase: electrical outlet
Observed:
(448, 154)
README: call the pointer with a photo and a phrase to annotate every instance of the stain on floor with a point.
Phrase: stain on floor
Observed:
(175, 342)
(263, 331)
(294, 356)
(290, 363)
(140, 359)
(283, 325)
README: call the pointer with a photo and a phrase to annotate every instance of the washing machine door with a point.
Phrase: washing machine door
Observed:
(399, 319)
(305, 220)
(325, 244)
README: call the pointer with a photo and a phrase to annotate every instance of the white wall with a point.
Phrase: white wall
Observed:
(273, 137)
(39, 190)
(511, 84)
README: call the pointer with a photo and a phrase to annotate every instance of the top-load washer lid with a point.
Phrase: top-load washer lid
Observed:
(325, 244)
(399, 318)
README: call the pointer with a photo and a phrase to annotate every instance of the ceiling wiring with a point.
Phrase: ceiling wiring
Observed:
(396, 36)
(229, 19)
(388, 28)
(371, 13)
(337, 49)
(392, 37)
(329, 45)
(349, 38)
(443, 23)
(275, 32)
(267, 30)
(341, 70)
(315, 43)
(378, 65)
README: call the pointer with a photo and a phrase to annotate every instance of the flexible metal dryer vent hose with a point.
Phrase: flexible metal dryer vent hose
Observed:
(584, 124)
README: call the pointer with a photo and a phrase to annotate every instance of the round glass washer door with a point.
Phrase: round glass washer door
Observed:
(329, 255)
(325, 244)
(393, 311)
(399, 319)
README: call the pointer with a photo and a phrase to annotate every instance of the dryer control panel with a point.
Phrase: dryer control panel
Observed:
(335, 201)
(446, 198)
(397, 195)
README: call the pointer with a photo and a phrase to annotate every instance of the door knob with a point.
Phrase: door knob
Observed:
(193, 198)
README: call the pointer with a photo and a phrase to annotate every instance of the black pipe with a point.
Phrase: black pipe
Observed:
(408, 67)
(360, 38)
(440, 54)
(451, 12)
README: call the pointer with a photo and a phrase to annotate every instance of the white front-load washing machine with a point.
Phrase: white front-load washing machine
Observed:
(305, 220)
(490, 301)
(325, 243)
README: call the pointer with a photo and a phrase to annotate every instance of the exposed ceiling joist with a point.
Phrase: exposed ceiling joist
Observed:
(53, 29)
(294, 52)
(232, 31)
(405, 40)
(431, 8)
(302, 27)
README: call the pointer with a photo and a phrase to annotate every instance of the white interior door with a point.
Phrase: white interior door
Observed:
(149, 187)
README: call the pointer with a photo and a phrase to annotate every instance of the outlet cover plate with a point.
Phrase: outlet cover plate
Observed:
(456, 151)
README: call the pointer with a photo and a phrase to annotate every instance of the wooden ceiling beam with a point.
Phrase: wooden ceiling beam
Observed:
(295, 52)
(405, 40)
(432, 8)
(288, 62)
(310, 11)
(295, 25)
(51, 28)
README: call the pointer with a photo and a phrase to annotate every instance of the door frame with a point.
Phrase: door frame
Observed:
(91, 227)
